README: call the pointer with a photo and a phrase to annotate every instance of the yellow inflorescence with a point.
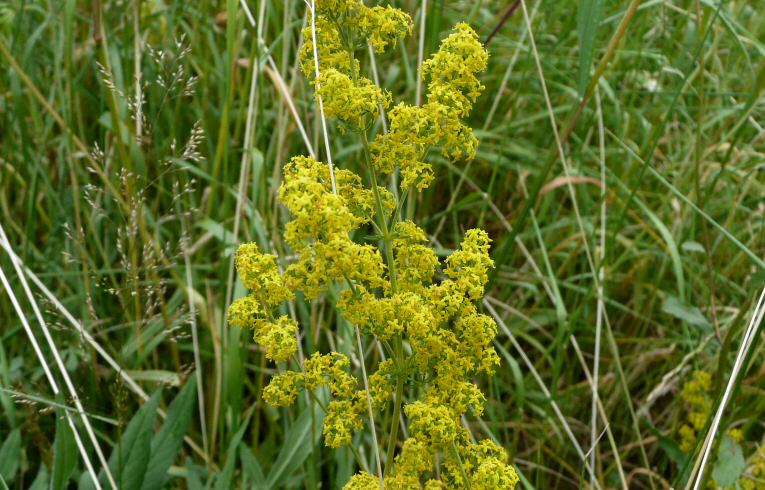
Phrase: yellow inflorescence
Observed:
(260, 274)
(452, 88)
(696, 394)
(350, 102)
(443, 341)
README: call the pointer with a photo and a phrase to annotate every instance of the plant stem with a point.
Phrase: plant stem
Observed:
(396, 409)
(388, 246)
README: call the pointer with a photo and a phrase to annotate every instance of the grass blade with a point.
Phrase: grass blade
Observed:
(296, 448)
(64, 454)
(590, 12)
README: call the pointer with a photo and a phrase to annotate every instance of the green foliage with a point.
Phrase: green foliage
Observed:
(105, 213)
(64, 454)
(730, 463)
(166, 443)
(9, 456)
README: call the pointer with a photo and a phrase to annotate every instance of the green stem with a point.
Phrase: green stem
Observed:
(387, 241)
(396, 410)
(462, 466)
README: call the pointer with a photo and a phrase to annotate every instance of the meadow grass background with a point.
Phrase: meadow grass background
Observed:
(129, 222)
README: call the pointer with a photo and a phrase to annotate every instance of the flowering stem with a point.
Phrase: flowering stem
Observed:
(388, 245)
(396, 409)
(398, 343)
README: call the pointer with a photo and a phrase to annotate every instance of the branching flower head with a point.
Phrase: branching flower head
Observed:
(435, 340)
(452, 89)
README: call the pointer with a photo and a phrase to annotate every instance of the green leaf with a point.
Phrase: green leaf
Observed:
(758, 279)
(520, 387)
(227, 474)
(10, 456)
(41, 481)
(167, 442)
(668, 445)
(297, 446)
(193, 480)
(162, 377)
(590, 12)
(690, 314)
(252, 468)
(131, 456)
(64, 453)
(730, 463)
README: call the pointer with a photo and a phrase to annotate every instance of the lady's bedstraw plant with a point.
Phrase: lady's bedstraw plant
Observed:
(435, 339)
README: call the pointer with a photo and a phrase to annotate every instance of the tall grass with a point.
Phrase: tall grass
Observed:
(620, 174)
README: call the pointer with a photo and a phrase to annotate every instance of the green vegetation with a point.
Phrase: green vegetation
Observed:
(620, 174)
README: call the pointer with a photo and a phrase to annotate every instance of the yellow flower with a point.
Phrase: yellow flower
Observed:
(451, 71)
(363, 481)
(492, 474)
(382, 26)
(332, 54)
(279, 337)
(245, 312)
(342, 419)
(433, 423)
(348, 101)
(283, 389)
(259, 274)
(452, 88)
(415, 262)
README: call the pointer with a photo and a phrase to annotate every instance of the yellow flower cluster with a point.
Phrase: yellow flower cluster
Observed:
(452, 88)
(348, 101)
(322, 370)
(450, 343)
(343, 24)
(756, 478)
(435, 339)
(259, 273)
(696, 393)
(378, 25)
(321, 223)
(482, 464)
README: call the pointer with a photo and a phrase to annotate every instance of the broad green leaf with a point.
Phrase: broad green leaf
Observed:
(227, 474)
(130, 456)
(42, 480)
(10, 456)
(64, 453)
(690, 314)
(135, 458)
(234, 375)
(193, 480)
(670, 447)
(252, 468)
(296, 447)
(730, 463)
(167, 442)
